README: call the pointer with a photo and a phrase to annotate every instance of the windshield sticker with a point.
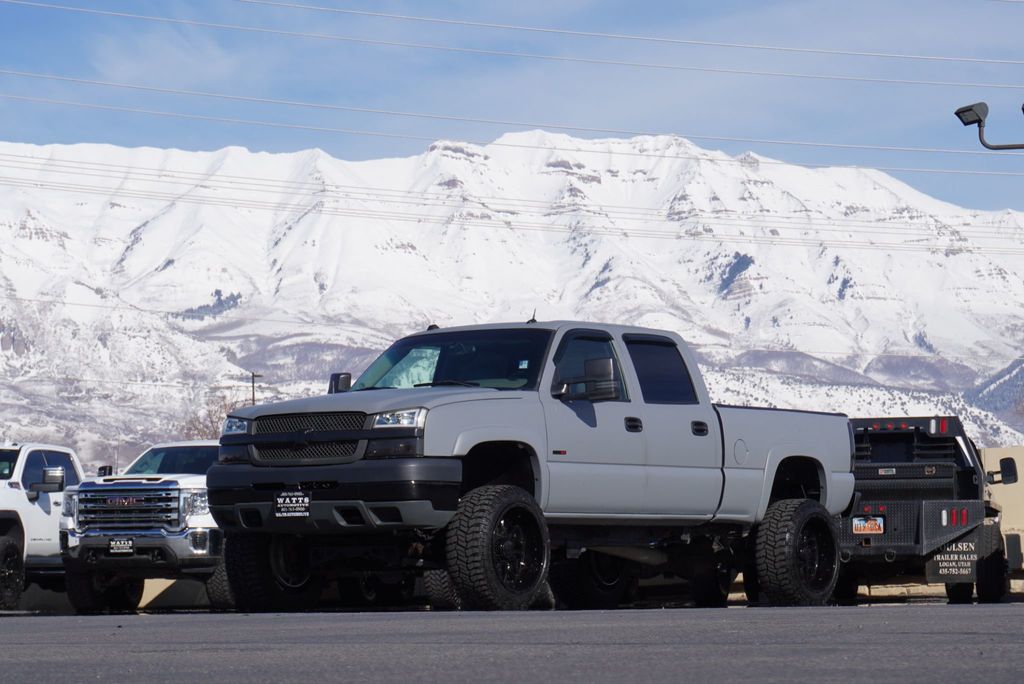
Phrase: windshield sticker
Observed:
(524, 364)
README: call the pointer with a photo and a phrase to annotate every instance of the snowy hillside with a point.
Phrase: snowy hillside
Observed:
(135, 282)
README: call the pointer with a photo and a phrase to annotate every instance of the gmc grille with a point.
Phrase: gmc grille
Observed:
(317, 422)
(136, 509)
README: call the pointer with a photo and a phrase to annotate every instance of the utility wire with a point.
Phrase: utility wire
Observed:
(405, 136)
(804, 224)
(441, 199)
(493, 122)
(708, 346)
(628, 37)
(678, 233)
(513, 54)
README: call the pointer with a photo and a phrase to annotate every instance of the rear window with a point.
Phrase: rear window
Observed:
(664, 378)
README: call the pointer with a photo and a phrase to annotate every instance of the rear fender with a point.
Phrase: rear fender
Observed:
(776, 456)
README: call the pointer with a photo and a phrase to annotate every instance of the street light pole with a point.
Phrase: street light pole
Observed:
(975, 115)
(254, 375)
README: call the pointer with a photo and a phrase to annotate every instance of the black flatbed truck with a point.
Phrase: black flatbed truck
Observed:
(922, 511)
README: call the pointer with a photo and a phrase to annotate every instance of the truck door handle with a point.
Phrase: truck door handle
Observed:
(699, 428)
(634, 424)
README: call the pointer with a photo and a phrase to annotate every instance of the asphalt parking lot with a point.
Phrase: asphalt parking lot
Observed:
(923, 641)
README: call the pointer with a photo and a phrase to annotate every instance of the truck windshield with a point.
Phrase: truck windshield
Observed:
(499, 359)
(183, 460)
(8, 459)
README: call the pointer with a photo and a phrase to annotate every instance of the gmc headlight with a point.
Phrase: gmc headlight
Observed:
(235, 426)
(70, 506)
(194, 502)
(406, 418)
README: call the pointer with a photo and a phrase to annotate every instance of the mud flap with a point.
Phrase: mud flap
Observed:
(956, 561)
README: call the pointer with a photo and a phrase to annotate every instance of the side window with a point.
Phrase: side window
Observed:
(57, 458)
(577, 349)
(663, 376)
(33, 472)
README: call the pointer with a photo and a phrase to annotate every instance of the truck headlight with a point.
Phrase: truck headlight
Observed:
(194, 502)
(70, 506)
(235, 426)
(405, 418)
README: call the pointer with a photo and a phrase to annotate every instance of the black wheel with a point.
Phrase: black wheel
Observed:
(593, 581)
(497, 549)
(993, 573)
(847, 586)
(440, 590)
(359, 591)
(270, 572)
(960, 592)
(98, 593)
(712, 581)
(797, 554)
(12, 573)
(218, 588)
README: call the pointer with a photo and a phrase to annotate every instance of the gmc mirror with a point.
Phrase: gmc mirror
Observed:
(105, 471)
(600, 382)
(1008, 470)
(53, 481)
(339, 382)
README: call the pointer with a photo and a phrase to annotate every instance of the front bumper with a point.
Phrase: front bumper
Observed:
(365, 496)
(156, 553)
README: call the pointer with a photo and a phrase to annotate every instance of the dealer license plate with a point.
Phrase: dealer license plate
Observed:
(291, 505)
(869, 524)
(121, 546)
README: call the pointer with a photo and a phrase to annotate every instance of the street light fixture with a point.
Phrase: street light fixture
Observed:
(975, 115)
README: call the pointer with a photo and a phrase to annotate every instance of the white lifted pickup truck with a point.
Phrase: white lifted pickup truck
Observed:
(486, 456)
(151, 521)
(32, 477)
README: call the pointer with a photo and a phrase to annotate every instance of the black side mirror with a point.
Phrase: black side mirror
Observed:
(1007, 472)
(53, 481)
(339, 382)
(105, 471)
(600, 382)
(602, 379)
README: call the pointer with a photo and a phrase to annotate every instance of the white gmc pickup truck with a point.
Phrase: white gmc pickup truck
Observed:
(32, 477)
(484, 457)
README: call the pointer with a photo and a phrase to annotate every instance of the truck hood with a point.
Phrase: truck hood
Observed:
(375, 401)
(184, 481)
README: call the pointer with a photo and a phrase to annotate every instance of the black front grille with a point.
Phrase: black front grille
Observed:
(323, 452)
(318, 422)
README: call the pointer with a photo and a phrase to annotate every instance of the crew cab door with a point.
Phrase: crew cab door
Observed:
(683, 437)
(41, 517)
(596, 452)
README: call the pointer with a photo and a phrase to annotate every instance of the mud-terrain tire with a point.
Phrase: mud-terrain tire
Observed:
(440, 590)
(993, 575)
(847, 587)
(498, 549)
(218, 588)
(91, 593)
(594, 581)
(12, 573)
(267, 574)
(960, 592)
(797, 553)
(711, 582)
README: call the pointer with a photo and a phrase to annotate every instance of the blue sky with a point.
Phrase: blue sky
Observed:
(588, 95)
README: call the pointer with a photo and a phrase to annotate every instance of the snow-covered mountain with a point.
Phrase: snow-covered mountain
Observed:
(134, 283)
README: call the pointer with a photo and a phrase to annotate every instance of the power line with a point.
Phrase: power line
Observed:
(405, 136)
(628, 37)
(513, 54)
(925, 231)
(493, 122)
(427, 198)
(708, 346)
(678, 233)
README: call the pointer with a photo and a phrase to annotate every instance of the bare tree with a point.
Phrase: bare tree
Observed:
(204, 422)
